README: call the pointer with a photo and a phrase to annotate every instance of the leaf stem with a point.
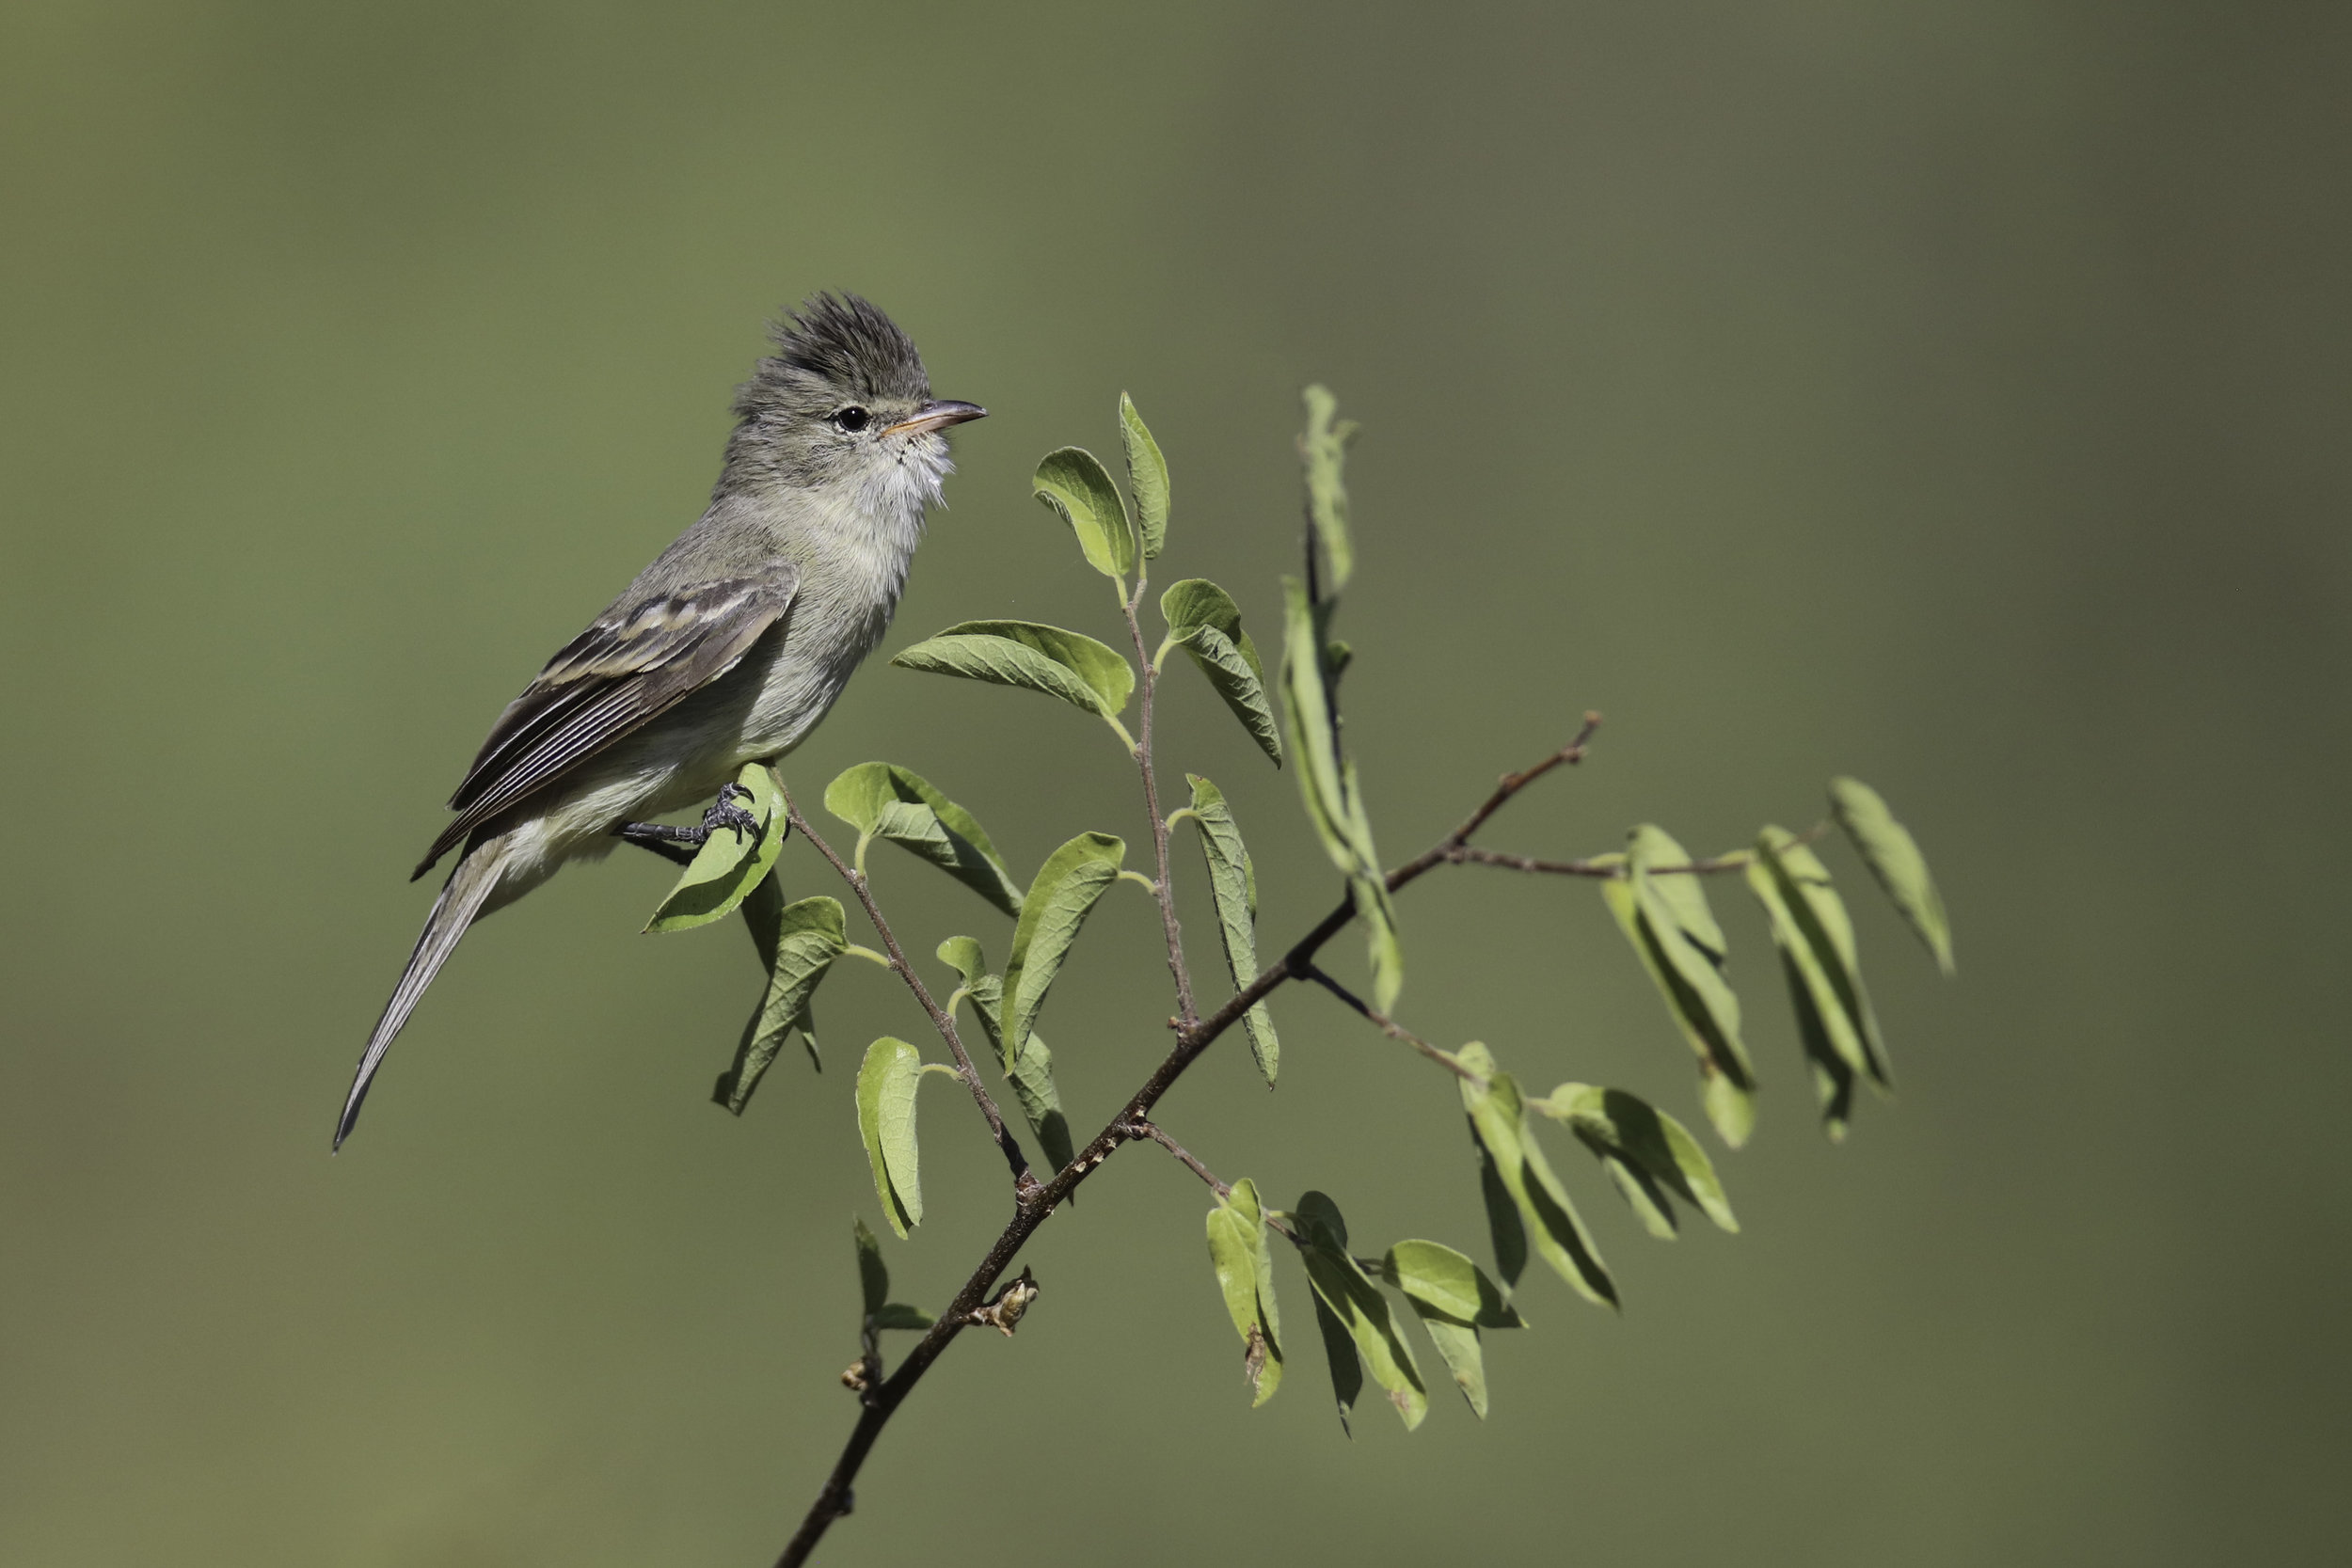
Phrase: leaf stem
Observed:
(1024, 1183)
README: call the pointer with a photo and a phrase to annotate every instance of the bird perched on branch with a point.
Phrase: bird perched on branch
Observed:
(726, 650)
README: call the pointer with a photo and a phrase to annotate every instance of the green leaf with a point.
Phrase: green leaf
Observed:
(1032, 1074)
(969, 959)
(1372, 907)
(1197, 605)
(1666, 919)
(1073, 483)
(1059, 901)
(1327, 784)
(1204, 620)
(1232, 1253)
(1457, 1346)
(1498, 1121)
(1314, 728)
(1454, 1299)
(798, 944)
(1437, 1276)
(1245, 1274)
(1817, 943)
(1032, 1081)
(1504, 1229)
(1833, 1077)
(1338, 1352)
(1065, 664)
(1147, 476)
(1233, 883)
(1893, 856)
(885, 1121)
(1646, 1153)
(1680, 893)
(1358, 1308)
(882, 799)
(1232, 673)
(897, 1314)
(1323, 451)
(985, 992)
(873, 1275)
(728, 866)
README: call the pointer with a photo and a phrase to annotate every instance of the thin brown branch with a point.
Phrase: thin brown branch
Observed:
(1469, 855)
(1143, 1129)
(1023, 1181)
(1389, 1026)
(1610, 867)
(1152, 1130)
(1164, 890)
(1511, 784)
(1039, 1203)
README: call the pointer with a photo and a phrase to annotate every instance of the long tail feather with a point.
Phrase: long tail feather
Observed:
(461, 900)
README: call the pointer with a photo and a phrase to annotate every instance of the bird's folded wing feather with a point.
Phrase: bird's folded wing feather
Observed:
(640, 658)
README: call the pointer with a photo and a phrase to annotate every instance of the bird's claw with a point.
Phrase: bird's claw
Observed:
(725, 813)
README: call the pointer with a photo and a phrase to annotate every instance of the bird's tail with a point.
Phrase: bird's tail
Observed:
(461, 900)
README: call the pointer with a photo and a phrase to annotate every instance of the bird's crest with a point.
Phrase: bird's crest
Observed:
(834, 344)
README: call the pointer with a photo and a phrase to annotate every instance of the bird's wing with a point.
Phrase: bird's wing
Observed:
(640, 658)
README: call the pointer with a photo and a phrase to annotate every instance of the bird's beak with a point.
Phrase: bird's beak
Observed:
(937, 415)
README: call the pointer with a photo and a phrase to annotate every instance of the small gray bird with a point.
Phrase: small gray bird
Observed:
(726, 650)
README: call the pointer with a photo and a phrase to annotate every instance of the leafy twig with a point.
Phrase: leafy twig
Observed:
(1037, 1203)
(1024, 1183)
(1164, 891)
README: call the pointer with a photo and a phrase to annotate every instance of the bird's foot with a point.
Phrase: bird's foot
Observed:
(679, 844)
(725, 813)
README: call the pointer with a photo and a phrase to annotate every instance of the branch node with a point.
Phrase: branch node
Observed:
(1005, 1308)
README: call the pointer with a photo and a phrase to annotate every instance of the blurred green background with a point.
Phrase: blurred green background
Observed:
(1954, 394)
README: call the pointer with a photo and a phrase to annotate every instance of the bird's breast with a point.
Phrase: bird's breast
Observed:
(850, 580)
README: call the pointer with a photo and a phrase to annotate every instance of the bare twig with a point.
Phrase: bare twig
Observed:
(1152, 1130)
(1192, 1038)
(1024, 1183)
(1471, 855)
(1389, 1026)
(1139, 1128)
(1611, 867)
(1511, 784)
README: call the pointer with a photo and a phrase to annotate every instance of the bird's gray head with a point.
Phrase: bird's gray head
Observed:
(843, 402)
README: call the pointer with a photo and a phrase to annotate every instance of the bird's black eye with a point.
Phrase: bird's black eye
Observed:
(853, 419)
